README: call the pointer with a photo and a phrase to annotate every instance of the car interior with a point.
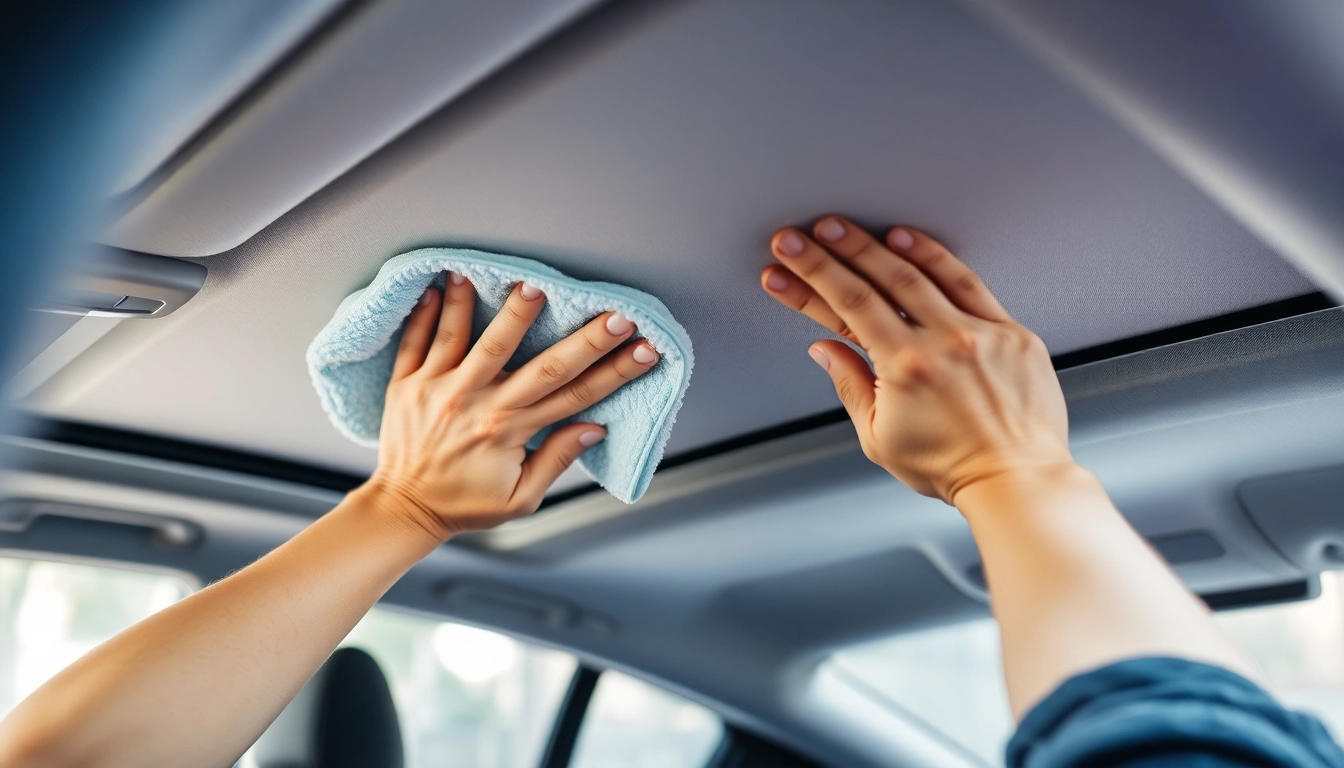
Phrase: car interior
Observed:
(774, 599)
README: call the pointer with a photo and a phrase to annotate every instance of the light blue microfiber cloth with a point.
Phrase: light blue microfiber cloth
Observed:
(351, 358)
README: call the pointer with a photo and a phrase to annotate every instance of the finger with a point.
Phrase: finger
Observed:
(557, 452)
(454, 334)
(566, 359)
(795, 294)
(901, 281)
(854, 380)
(416, 335)
(501, 338)
(958, 282)
(865, 311)
(595, 384)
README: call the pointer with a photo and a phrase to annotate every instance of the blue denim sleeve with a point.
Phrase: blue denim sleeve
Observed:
(1162, 713)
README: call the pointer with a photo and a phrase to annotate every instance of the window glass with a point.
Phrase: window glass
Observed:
(466, 697)
(52, 612)
(631, 724)
(950, 679)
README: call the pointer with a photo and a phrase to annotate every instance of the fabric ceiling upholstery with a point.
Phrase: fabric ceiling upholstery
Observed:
(659, 146)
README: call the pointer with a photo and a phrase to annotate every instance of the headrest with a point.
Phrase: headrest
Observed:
(343, 718)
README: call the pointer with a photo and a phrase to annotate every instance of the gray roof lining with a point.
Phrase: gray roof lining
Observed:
(660, 147)
(1250, 106)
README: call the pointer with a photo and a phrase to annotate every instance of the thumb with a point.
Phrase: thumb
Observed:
(854, 380)
(555, 454)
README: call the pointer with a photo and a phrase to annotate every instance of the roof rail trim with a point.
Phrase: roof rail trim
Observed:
(189, 452)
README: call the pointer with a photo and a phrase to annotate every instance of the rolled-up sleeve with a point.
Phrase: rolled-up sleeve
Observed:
(1161, 713)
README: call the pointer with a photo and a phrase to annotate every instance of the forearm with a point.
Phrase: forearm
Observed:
(1074, 587)
(198, 682)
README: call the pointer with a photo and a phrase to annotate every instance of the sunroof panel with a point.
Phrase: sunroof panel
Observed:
(660, 149)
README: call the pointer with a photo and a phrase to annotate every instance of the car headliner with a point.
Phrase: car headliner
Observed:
(660, 149)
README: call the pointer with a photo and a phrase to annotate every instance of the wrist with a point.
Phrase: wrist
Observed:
(1030, 484)
(392, 502)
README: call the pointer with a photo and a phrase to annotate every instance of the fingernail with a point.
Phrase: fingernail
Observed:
(618, 324)
(820, 357)
(776, 281)
(529, 292)
(900, 239)
(456, 278)
(426, 296)
(591, 437)
(644, 354)
(790, 244)
(830, 230)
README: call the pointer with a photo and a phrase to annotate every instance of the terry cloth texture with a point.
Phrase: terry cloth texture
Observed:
(351, 358)
(1167, 713)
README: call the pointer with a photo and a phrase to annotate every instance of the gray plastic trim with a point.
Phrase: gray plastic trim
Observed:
(669, 486)
(137, 286)
(1302, 513)
(18, 515)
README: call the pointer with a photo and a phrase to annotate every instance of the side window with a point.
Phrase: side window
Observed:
(631, 724)
(466, 697)
(52, 612)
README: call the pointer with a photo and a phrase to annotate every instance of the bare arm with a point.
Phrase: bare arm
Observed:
(197, 683)
(961, 403)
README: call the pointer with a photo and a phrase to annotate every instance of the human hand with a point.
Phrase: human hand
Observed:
(451, 453)
(958, 391)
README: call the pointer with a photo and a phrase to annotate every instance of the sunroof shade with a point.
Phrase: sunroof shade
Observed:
(660, 148)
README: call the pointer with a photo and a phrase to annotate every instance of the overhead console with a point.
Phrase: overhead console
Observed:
(1301, 513)
(106, 287)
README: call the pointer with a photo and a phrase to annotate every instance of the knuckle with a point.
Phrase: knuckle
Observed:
(453, 403)
(968, 282)
(811, 303)
(906, 277)
(515, 313)
(858, 297)
(552, 371)
(492, 426)
(494, 348)
(870, 250)
(963, 343)
(845, 389)
(579, 393)
(563, 459)
(930, 257)
(595, 344)
(810, 267)
(1028, 341)
(446, 336)
(915, 368)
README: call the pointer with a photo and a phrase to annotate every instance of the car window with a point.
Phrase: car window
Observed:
(631, 724)
(53, 611)
(466, 697)
(950, 679)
